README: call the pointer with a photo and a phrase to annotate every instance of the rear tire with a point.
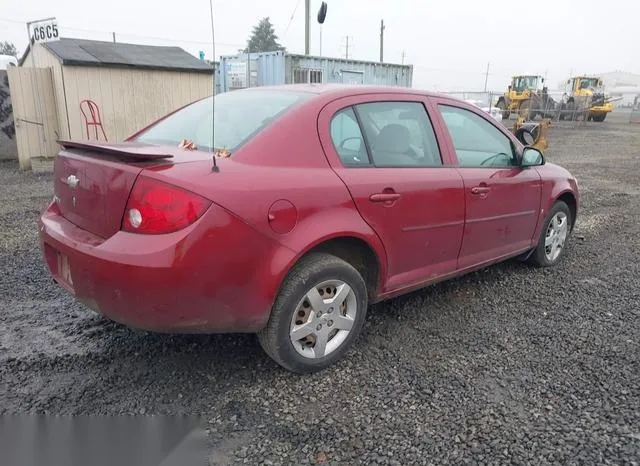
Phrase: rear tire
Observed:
(553, 236)
(318, 314)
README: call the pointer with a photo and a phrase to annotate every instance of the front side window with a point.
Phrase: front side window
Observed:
(239, 115)
(399, 134)
(477, 142)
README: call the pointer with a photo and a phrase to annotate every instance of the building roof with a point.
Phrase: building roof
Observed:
(82, 52)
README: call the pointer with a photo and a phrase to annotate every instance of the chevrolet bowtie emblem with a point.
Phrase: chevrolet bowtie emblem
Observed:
(72, 181)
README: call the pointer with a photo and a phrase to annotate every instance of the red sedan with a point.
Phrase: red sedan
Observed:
(316, 201)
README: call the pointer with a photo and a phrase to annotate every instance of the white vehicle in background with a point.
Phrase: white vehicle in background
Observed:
(493, 111)
(6, 61)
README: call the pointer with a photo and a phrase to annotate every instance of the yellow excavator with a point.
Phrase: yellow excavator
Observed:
(527, 96)
(586, 98)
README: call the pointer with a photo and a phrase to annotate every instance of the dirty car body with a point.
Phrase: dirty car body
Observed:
(371, 192)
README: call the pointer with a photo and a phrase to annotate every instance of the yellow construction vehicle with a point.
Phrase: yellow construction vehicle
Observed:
(585, 98)
(527, 96)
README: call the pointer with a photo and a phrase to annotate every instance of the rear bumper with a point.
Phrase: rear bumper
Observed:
(197, 280)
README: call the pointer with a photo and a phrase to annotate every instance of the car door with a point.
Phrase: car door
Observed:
(502, 199)
(384, 148)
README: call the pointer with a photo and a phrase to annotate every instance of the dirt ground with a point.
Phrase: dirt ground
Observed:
(507, 365)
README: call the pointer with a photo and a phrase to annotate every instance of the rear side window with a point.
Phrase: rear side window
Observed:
(347, 138)
(399, 134)
(239, 115)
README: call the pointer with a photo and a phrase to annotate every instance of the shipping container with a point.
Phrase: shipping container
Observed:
(274, 68)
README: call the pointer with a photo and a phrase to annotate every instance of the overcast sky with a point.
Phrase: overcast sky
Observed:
(448, 42)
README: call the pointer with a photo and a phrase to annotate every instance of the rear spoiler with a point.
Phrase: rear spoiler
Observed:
(123, 149)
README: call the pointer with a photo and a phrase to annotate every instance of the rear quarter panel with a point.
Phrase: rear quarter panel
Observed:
(283, 163)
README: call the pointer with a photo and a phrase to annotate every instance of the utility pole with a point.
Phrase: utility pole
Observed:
(346, 54)
(403, 54)
(381, 40)
(486, 77)
(114, 37)
(307, 10)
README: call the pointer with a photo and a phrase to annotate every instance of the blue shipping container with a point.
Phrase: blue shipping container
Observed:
(273, 68)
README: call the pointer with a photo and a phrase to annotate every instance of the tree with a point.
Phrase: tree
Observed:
(263, 38)
(7, 48)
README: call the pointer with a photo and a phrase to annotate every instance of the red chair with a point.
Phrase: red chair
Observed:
(96, 121)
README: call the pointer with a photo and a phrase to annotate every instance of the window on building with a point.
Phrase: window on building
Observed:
(307, 76)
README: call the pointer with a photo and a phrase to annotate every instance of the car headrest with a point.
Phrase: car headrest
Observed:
(393, 138)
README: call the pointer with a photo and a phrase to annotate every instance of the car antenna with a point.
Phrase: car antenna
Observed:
(215, 167)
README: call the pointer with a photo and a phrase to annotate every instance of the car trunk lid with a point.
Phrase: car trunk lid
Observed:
(93, 180)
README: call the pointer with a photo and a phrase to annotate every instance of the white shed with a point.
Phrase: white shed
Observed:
(98, 90)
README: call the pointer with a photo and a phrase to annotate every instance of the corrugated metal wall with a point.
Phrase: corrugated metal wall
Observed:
(265, 69)
(336, 70)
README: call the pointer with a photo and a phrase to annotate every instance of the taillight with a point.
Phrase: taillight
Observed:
(155, 207)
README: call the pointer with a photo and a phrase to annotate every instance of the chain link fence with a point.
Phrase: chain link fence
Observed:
(634, 116)
(554, 105)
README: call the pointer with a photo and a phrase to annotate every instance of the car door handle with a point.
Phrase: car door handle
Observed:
(480, 189)
(384, 197)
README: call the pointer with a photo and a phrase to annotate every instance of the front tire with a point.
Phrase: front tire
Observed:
(317, 316)
(502, 106)
(553, 237)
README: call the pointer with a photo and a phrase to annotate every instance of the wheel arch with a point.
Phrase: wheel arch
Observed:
(569, 198)
(355, 249)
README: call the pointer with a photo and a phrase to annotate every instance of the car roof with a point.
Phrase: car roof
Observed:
(346, 90)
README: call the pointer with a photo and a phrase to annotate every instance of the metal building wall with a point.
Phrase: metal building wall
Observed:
(274, 68)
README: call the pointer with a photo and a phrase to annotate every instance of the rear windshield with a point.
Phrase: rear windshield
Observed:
(238, 116)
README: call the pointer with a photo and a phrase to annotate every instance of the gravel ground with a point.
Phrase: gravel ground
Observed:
(507, 365)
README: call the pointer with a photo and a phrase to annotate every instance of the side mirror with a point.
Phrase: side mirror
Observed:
(531, 157)
(322, 12)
